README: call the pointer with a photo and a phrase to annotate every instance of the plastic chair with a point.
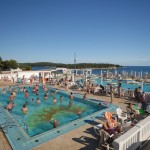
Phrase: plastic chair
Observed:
(121, 115)
(138, 106)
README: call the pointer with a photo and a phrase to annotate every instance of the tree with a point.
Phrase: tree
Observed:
(13, 64)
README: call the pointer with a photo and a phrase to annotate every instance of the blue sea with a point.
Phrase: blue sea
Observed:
(129, 69)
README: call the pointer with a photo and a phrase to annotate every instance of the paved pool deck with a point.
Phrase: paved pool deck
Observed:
(82, 138)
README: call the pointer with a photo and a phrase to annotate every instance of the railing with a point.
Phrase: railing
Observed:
(135, 138)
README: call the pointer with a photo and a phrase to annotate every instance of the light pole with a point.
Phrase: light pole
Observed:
(74, 66)
(142, 81)
(101, 77)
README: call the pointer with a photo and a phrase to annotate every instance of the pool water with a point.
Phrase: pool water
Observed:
(37, 119)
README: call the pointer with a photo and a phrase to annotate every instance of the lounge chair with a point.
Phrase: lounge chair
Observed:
(105, 139)
(97, 128)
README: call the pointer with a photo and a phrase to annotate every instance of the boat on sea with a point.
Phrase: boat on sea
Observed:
(127, 80)
(133, 82)
(147, 80)
(107, 79)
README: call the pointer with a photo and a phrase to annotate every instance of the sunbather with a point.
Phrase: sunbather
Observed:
(132, 110)
(112, 128)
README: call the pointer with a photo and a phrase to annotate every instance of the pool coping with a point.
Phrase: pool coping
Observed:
(20, 140)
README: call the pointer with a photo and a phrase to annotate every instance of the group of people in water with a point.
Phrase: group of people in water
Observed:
(35, 89)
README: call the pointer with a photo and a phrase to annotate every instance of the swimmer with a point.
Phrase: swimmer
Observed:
(38, 101)
(55, 123)
(11, 97)
(61, 98)
(84, 97)
(9, 88)
(37, 92)
(71, 95)
(14, 93)
(24, 89)
(45, 96)
(3, 91)
(54, 100)
(79, 112)
(99, 105)
(26, 94)
(9, 106)
(24, 108)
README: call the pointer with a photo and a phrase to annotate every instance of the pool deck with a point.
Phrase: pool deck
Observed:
(82, 138)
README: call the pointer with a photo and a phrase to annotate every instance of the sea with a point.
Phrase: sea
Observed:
(128, 69)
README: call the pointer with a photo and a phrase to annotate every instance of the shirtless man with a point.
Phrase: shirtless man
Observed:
(11, 97)
(71, 95)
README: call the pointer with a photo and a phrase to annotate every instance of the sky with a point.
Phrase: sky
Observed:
(98, 31)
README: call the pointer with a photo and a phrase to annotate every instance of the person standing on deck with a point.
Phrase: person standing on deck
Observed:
(111, 93)
(119, 88)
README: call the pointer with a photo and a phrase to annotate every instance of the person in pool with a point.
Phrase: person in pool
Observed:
(11, 97)
(9, 106)
(55, 123)
(84, 97)
(99, 105)
(24, 108)
(3, 91)
(79, 112)
(61, 98)
(45, 96)
(26, 95)
(71, 96)
(54, 100)
(38, 101)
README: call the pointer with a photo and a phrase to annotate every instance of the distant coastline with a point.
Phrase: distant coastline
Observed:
(70, 66)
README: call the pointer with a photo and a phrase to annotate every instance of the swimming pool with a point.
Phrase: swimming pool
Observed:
(37, 119)
(146, 86)
(20, 131)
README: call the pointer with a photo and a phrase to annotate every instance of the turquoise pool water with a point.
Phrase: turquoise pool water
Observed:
(146, 86)
(37, 119)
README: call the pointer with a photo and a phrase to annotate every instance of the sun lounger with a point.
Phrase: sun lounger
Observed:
(97, 128)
